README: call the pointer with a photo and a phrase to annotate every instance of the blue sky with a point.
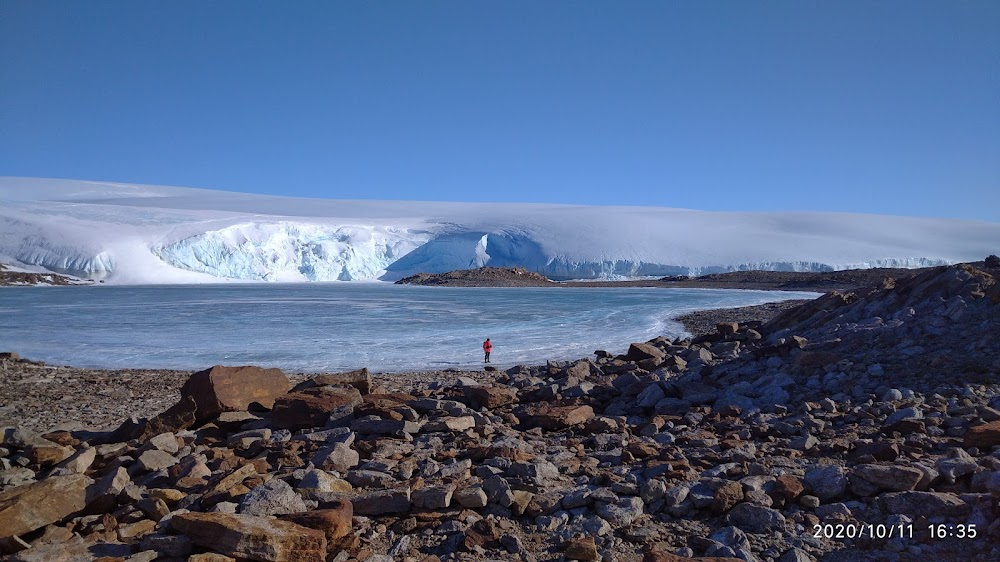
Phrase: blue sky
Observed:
(882, 107)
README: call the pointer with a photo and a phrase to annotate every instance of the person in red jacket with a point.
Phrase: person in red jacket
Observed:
(487, 347)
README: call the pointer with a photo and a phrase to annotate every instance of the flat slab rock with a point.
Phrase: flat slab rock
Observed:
(33, 506)
(255, 538)
(555, 417)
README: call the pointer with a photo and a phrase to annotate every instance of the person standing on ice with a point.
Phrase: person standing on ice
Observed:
(487, 347)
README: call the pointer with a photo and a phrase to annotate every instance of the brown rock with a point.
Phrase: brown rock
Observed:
(983, 436)
(640, 351)
(550, 417)
(182, 415)
(871, 479)
(133, 531)
(33, 506)
(879, 450)
(233, 389)
(216, 490)
(49, 454)
(785, 489)
(490, 397)
(255, 538)
(360, 379)
(312, 407)
(334, 521)
(726, 496)
(727, 328)
(582, 548)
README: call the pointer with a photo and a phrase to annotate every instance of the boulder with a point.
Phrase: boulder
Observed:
(925, 504)
(640, 351)
(233, 389)
(620, 513)
(155, 459)
(334, 519)
(274, 497)
(582, 548)
(182, 415)
(471, 497)
(339, 456)
(433, 497)
(378, 426)
(103, 495)
(871, 479)
(33, 506)
(312, 407)
(490, 397)
(727, 328)
(756, 519)
(79, 462)
(827, 482)
(983, 436)
(45, 453)
(553, 418)
(383, 501)
(360, 379)
(251, 537)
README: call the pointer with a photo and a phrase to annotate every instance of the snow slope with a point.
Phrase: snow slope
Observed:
(152, 234)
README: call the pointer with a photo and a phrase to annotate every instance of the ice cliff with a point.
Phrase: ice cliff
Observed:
(152, 234)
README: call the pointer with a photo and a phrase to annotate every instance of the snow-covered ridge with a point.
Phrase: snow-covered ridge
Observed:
(153, 234)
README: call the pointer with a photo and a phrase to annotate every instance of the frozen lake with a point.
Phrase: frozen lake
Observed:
(322, 327)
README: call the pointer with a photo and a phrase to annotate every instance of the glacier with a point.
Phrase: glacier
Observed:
(139, 234)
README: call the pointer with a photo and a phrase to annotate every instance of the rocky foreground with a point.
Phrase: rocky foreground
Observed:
(859, 426)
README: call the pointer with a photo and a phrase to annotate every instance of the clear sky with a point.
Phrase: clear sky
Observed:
(864, 106)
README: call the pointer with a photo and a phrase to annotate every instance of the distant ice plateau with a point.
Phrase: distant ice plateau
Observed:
(138, 234)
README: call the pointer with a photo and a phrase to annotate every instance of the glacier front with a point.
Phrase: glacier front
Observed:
(136, 234)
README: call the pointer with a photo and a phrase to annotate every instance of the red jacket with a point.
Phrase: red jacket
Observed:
(487, 346)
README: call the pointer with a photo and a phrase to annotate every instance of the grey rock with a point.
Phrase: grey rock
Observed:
(170, 546)
(274, 497)
(827, 482)
(622, 513)
(650, 396)
(381, 502)
(925, 504)
(435, 497)
(472, 497)
(369, 479)
(338, 456)
(166, 442)
(155, 459)
(911, 413)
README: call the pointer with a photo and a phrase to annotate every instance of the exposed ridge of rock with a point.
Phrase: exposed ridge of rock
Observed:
(481, 277)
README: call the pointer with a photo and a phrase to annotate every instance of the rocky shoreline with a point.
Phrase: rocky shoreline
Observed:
(9, 278)
(845, 280)
(857, 426)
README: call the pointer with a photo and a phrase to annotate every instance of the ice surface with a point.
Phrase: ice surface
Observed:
(135, 234)
(335, 326)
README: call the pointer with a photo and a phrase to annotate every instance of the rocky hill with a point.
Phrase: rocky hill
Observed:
(859, 426)
(481, 277)
(22, 278)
